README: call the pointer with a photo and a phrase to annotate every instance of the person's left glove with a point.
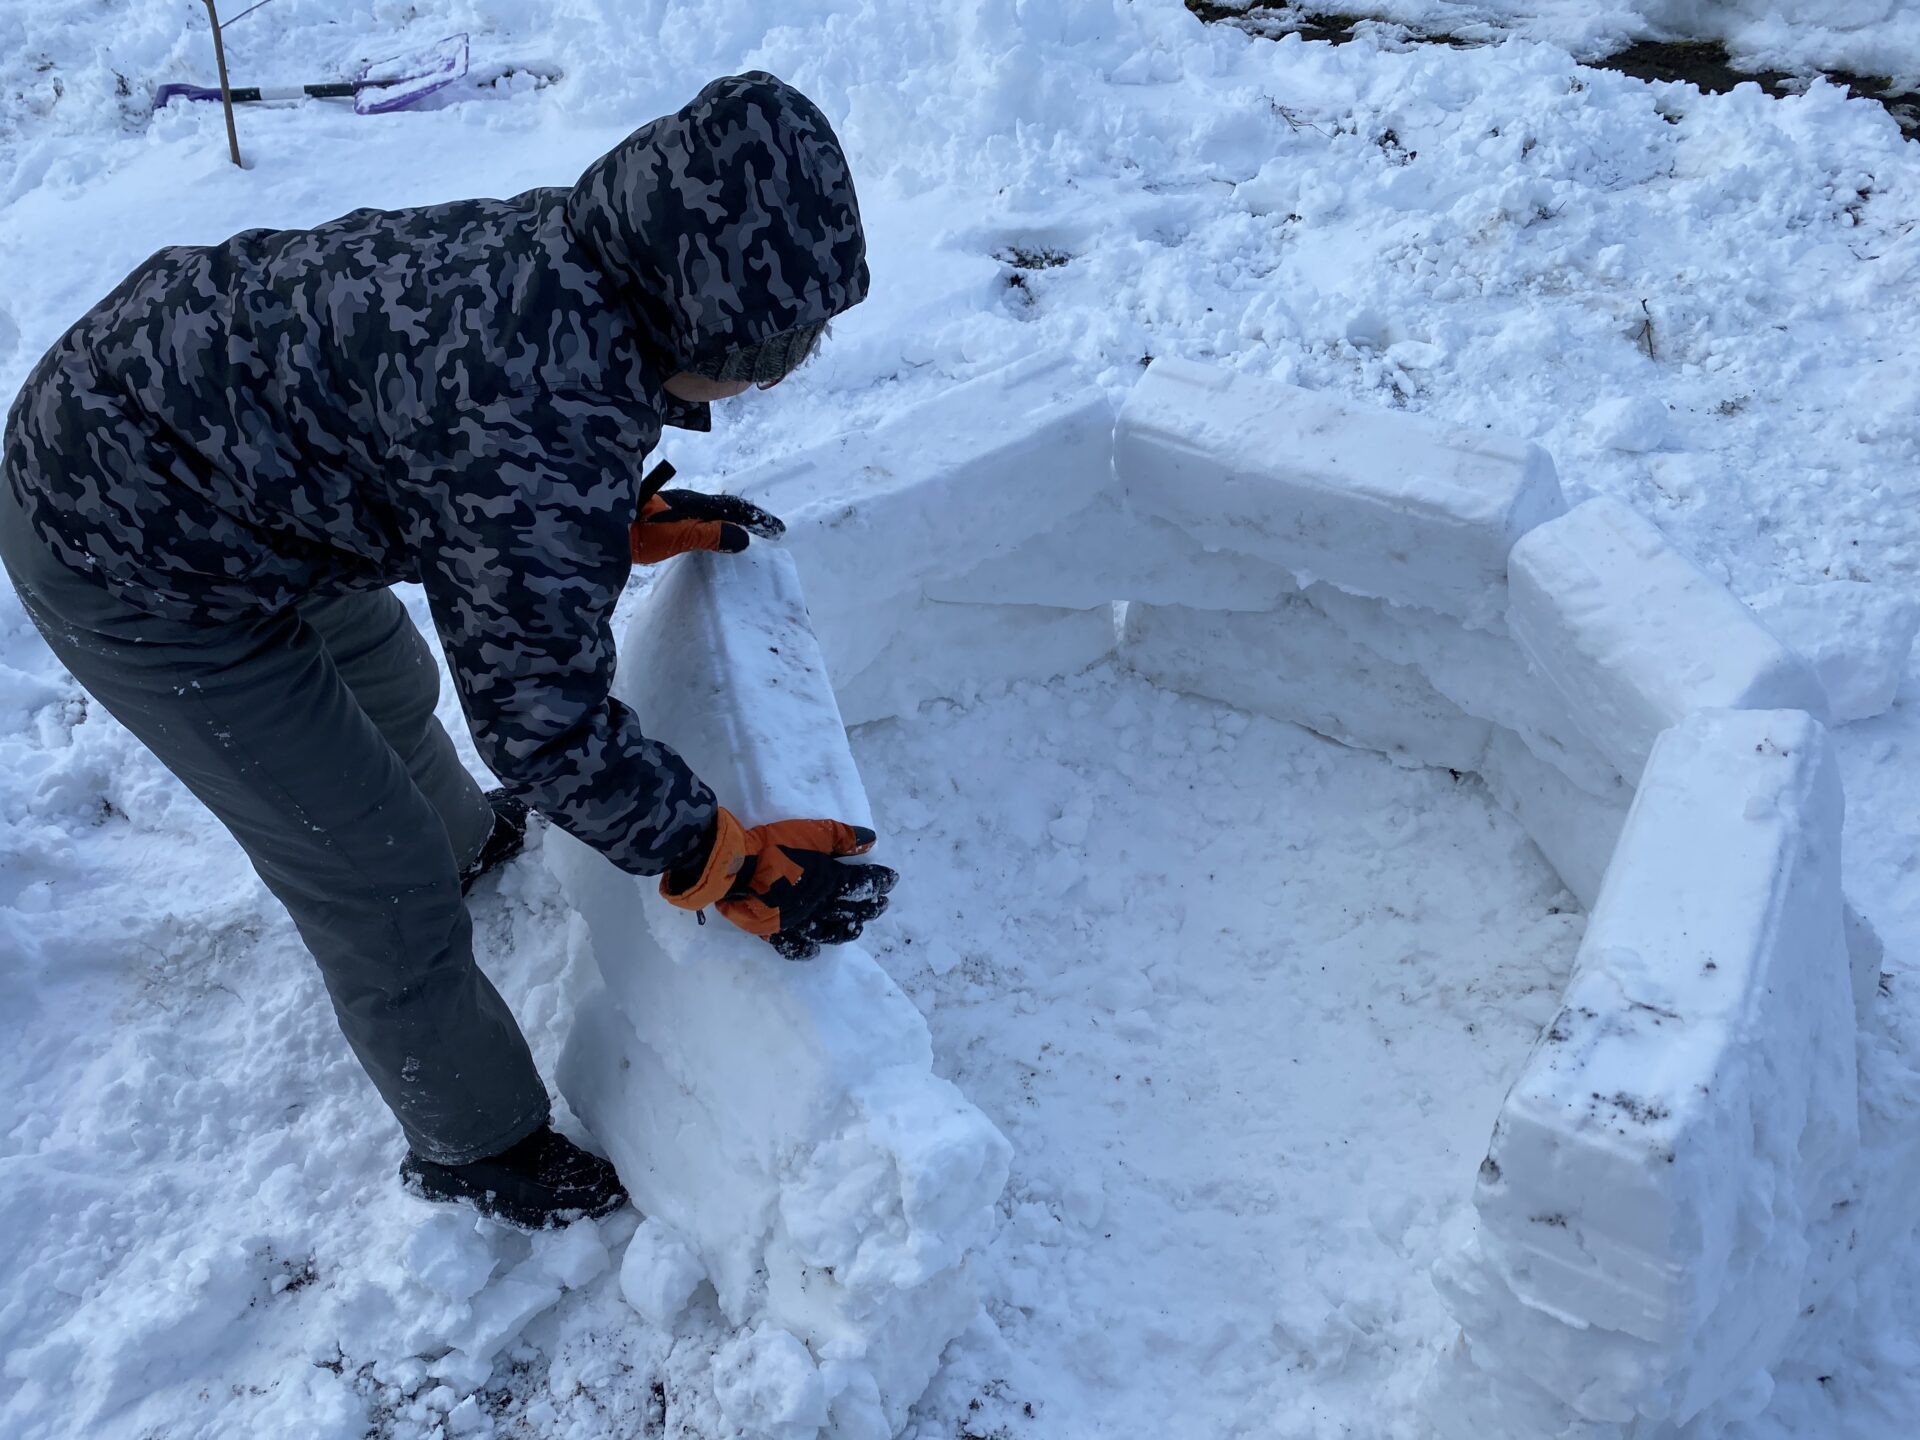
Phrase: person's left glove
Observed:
(673, 522)
(785, 881)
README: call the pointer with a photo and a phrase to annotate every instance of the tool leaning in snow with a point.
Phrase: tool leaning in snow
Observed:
(378, 87)
(209, 483)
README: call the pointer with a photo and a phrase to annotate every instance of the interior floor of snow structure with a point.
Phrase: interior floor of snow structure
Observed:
(1246, 1002)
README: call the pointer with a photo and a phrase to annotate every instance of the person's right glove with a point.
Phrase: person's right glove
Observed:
(673, 522)
(785, 882)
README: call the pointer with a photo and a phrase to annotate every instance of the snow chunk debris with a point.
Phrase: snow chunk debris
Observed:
(572, 1256)
(1856, 636)
(496, 1315)
(768, 1385)
(1636, 636)
(1633, 423)
(659, 1273)
(446, 1254)
(1379, 503)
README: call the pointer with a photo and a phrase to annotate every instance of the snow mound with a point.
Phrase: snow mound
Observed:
(1856, 636)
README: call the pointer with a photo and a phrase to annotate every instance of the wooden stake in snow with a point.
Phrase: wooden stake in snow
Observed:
(226, 89)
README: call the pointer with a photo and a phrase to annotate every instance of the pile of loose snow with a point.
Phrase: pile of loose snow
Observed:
(199, 1230)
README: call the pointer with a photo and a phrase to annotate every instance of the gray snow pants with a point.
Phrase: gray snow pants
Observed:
(310, 734)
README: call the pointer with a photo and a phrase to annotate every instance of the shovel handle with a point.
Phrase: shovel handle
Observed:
(247, 94)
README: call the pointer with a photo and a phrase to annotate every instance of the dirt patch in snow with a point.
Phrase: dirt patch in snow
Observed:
(1703, 63)
(1707, 64)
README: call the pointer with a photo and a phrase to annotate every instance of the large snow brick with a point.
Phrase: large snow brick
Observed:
(1462, 1402)
(1874, 1210)
(940, 488)
(1646, 1204)
(1105, 553)
(782, 1118)
(1868, 954)
(932, 650)
(1636, 637)
(1376, 502)
(1482, 672)
(1574, 827)
(1296, 664)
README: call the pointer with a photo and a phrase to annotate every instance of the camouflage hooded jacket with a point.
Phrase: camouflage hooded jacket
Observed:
(461, 395)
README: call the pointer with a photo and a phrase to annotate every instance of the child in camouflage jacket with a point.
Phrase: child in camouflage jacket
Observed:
(210, 482)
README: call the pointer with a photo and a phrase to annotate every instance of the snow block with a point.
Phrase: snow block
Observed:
(1378, 503)
(1575, 828)
(1874, 1209)
(1463, 1402)
(1646, 1205)
(781, 1119)
(940, 488)
(1636, 637)
(1105, 553)
(1296, 664)
(1481, 671)
(1867, 953)
(933, 650)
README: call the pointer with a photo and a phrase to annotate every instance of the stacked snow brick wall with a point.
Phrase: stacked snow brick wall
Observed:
(779, 1124)
(1662, 1175)
(1443, 606)
(1635, 637)
(1673, 1176)
(881, 520)
(1385, 539)
(1648, 1204)
(1384, 505)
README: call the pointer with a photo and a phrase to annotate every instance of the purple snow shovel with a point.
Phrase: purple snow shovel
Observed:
(377, 87)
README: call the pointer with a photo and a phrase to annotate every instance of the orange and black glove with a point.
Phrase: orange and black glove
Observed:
(784, 882)
(673, 522)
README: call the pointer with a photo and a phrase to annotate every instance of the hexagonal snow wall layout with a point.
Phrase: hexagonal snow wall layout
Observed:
(1672, 1173)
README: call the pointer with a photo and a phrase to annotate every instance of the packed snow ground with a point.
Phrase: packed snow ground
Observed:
(1235, 1164)
(199, 1232)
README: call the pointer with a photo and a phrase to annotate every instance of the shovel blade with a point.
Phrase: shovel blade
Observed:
(402, 81)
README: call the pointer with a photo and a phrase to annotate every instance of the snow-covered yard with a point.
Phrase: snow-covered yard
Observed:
(1245, 1001)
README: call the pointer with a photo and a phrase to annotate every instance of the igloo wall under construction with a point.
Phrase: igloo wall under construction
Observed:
(1673, 1173)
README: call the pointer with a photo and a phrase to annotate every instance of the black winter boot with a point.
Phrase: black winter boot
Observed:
(506, 840)
(543, 1182)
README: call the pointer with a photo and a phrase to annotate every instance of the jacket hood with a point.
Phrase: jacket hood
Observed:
(728, 222)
